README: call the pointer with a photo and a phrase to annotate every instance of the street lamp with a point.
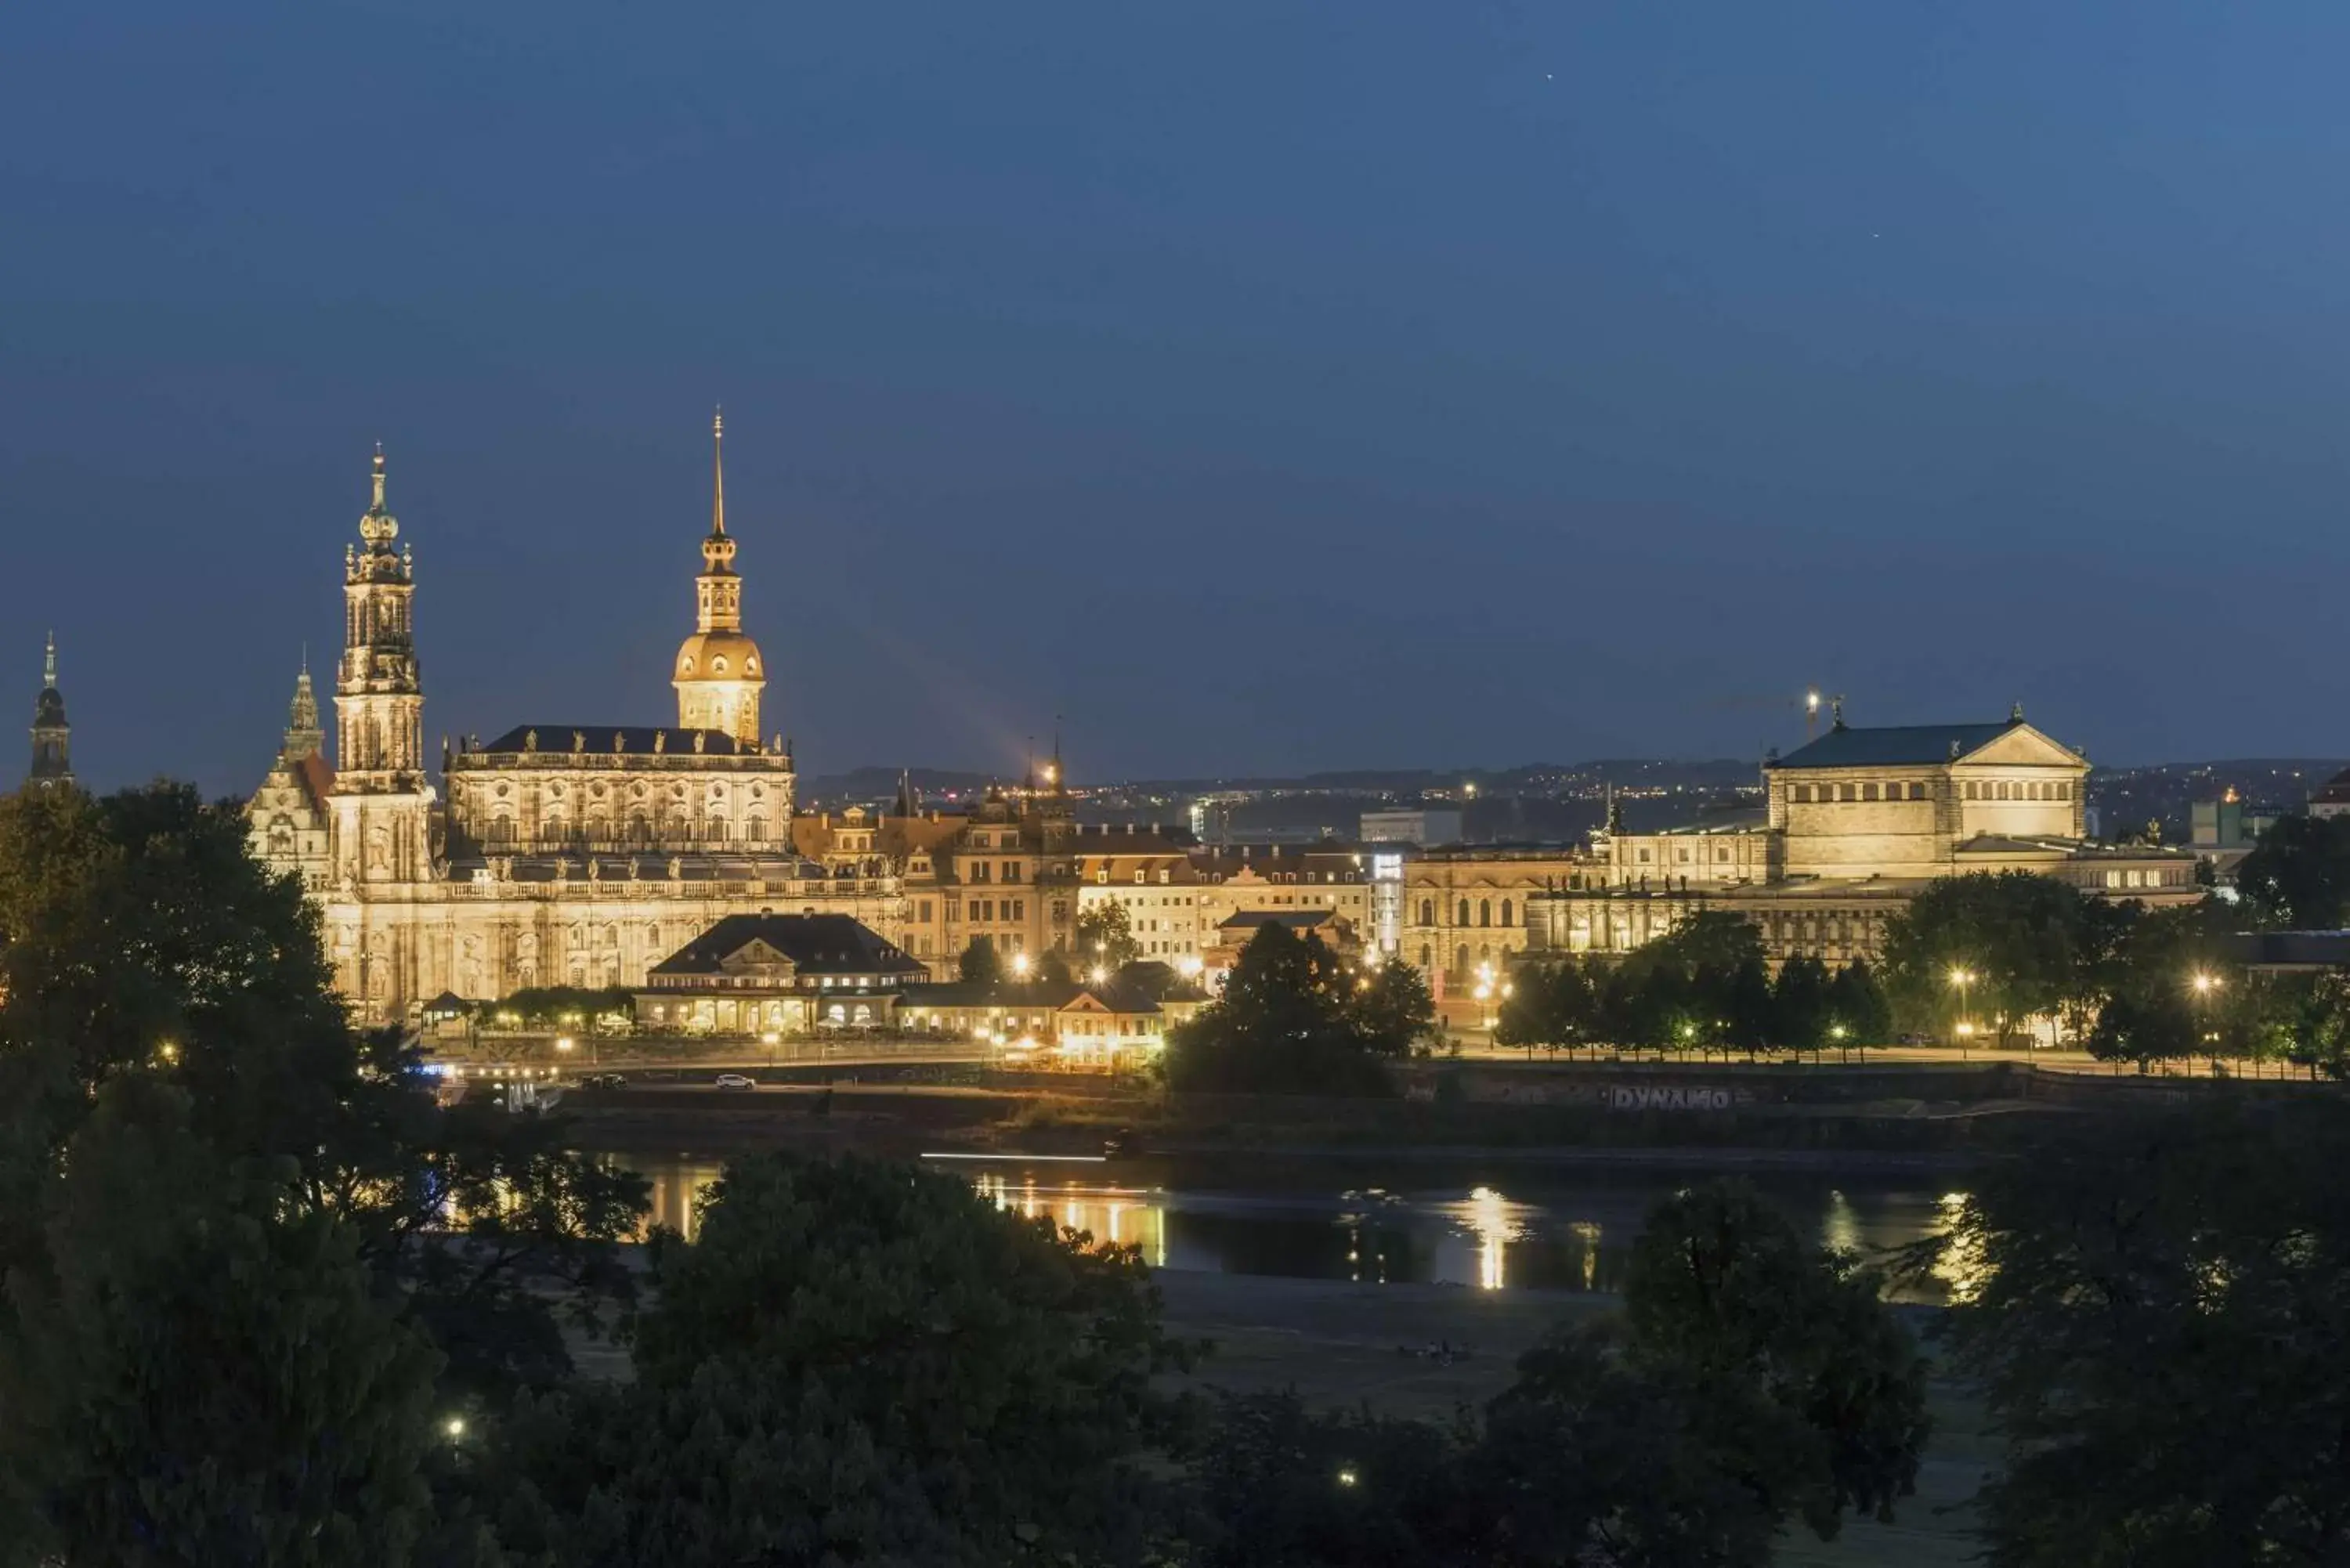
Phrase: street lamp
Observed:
(2203, 983)
(1020, 965)
(769, 1040)
(1961, 978)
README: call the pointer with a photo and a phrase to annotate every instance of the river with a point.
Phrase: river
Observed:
(1491, 1226)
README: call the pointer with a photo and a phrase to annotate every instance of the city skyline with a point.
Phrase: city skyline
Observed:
(1569, 386)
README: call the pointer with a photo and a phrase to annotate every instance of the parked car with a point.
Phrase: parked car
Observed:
(605, 1081)
(736, 1081)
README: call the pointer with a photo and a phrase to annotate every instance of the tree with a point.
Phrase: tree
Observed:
(1802, 1015)
(2154, 1008)
(1288, 1022)
(1856, 1005)
(860, 1361)
(138, 935)
(1554, 1004)
(978, 964)
(1287, 1487)
(2024, 940)
(1722, 1284)
(1105, 937)
(1599, 1457)
(2157, 1315)
(2298, 876)
(195, 1371)
(1391, 1009)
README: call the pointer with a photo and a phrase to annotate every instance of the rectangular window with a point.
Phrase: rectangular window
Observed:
(1916, 792)
(1868, 792)
(923, 911)
(1012, 870)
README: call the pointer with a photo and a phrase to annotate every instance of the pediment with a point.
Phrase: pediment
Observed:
(756, 957)
(2024, 746)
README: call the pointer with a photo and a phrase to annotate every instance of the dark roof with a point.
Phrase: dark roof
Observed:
(1296, 919)
(2288, 950)
(610, 739)
(2334, 791)
(1049, 995)
(1044, 993)
(1899, 745)
(817, 944)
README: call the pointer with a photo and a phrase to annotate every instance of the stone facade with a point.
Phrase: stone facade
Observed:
(565, 854)
(1854, 826)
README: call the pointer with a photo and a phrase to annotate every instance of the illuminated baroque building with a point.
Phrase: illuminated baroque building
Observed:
(1855, 825)
(565, 854)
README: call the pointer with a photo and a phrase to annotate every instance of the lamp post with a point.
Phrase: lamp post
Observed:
(2201, 984)
(1961, 978)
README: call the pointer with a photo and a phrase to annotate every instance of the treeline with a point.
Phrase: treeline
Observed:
(1704, 988)
(269, 1304)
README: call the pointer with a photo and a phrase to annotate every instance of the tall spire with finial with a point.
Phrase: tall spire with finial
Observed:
(303, 736)
(718, 474)
(52, 739)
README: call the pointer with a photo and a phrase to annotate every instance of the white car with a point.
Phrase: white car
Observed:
(736, 1081)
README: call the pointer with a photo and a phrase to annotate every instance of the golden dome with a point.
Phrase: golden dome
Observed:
(719, 655)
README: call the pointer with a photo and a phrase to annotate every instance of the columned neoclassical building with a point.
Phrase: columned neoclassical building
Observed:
(565, 853)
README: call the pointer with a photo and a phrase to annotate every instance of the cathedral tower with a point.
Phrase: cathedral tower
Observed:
(303, 736)
(719, 674)
(52, 737)
(382, 802)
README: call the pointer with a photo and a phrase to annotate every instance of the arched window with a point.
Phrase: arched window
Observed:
(1505, 911)
(755, 829)
(1464, 917)
(1484, 911)
(1460, 961)
(1426, 957)
(1427, 918)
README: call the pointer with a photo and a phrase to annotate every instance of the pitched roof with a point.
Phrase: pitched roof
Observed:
(1047, 995)
(315, 777)
(1898, 745)
(1296, 919)
(612, 739)
(817, 944)
(2334, 791)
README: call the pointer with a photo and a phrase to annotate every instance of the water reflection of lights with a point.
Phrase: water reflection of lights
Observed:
(1840, 1231)
(1111, 1216)
(1586, 1235)
(1960, 1266)
(1489, 1219)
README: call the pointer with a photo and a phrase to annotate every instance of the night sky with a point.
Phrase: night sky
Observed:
(1263, 387)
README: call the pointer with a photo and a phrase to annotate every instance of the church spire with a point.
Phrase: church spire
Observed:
(52, 738)
(718, 474)
(303, 736)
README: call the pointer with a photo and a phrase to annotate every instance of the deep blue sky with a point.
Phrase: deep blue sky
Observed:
(1262, 385)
